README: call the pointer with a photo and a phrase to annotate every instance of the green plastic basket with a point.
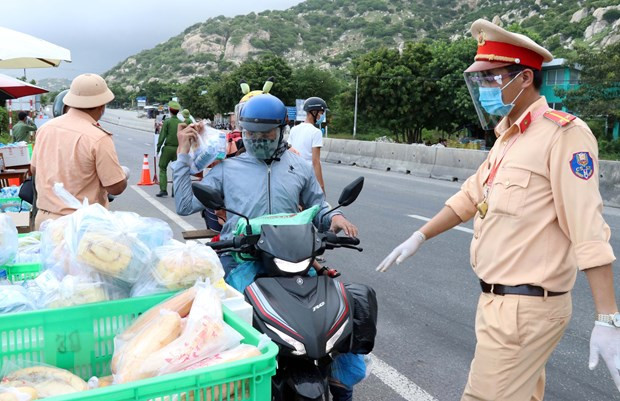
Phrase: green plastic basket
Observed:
(80, 339)
(22, 271)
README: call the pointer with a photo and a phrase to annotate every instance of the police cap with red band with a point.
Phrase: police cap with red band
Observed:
(499, 48)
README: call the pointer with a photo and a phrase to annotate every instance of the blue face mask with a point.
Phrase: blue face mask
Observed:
(492, 102)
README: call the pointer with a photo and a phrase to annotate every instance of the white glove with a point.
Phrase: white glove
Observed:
(403, 251)
(127, 171)
(605, 340)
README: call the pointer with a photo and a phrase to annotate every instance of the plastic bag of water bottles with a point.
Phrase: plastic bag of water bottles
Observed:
(211, 146)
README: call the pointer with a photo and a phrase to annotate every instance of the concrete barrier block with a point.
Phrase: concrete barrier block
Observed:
(336, 151)
(325, 149)
(358, 153)
(457, 164)
(609, 185)
(409, 159)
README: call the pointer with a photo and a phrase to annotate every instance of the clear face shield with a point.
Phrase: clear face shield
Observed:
(261, 144)
(486, 89)
(238, 108)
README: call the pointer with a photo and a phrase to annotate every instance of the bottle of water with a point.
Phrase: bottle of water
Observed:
(4, 279)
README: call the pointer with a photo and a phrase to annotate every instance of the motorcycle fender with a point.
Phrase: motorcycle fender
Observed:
(307, 380)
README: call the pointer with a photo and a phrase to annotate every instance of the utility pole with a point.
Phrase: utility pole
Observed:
(355, 112)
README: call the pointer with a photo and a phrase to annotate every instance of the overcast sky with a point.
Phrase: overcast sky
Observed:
(101, 33)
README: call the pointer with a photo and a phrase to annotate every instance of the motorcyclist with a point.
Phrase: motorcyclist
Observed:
(266, 179)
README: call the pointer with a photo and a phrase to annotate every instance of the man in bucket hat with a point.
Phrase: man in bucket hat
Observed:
(537, 214)
(75, 150)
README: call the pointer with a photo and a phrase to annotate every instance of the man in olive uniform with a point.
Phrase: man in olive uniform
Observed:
(167, 145)
(22, 130)
(538, 219)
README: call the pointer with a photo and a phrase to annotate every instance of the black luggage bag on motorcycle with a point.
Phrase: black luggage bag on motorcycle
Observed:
(365, 309)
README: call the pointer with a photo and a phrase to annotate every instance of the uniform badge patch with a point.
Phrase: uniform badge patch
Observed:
(582, 165)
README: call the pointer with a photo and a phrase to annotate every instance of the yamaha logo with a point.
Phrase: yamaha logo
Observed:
(300, 281)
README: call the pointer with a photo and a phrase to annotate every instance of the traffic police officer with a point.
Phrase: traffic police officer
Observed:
(167, 144)
(537, 214)
(75, 150)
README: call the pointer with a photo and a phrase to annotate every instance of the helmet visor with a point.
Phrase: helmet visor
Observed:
(485, 90)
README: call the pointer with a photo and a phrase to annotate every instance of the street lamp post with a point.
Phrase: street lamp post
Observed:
(355, 112)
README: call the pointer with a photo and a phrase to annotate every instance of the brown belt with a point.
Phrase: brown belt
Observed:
(523, 289)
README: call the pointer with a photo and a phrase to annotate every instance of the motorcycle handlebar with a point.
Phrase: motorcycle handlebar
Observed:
(336, 240)
(218, 245)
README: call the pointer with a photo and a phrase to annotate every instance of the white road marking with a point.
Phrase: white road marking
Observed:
(397, 382)
(465, 230)
(384, 372)
(159, 206)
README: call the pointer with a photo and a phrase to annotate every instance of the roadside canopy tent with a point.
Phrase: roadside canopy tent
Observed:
(20, 50)
(11, 88)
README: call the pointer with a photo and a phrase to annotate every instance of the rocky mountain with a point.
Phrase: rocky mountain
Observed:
(54, 84)
(330, 33)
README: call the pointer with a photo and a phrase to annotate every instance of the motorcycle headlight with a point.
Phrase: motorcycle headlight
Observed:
(291, 267)
(332, 341)
(300, 348)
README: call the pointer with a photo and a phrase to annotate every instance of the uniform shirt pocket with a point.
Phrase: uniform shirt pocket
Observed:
(509, 191)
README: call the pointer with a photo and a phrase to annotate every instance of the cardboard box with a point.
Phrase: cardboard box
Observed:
(15, 155)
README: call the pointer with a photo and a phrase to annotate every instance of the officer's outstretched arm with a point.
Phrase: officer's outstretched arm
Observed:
(442, 221)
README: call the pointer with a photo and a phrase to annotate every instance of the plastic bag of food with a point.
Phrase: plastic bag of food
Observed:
(48, 291)
(15, 298)
(98, 240)
(53, 236)
(29, 248)
(204, 334)
(130, 355)
(45, 380)
(176, 266)
(210, 146)
(8, 239)
(151, 231)
(21, 393)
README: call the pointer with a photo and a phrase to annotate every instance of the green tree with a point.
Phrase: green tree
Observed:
(225, 93)
(599, 91)
(312, 81)
(194, 95)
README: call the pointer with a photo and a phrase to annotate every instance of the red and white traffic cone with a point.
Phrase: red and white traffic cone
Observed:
(146, 172)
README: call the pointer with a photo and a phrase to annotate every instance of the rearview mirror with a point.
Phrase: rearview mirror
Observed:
(351, 192)
(208, 196)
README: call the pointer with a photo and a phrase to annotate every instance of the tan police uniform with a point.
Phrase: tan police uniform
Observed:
(75, 150)
(544, 221)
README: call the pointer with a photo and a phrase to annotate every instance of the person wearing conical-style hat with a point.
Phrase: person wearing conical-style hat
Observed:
(537, 214)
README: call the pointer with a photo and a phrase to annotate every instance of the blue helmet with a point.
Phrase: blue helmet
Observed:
(262, 113)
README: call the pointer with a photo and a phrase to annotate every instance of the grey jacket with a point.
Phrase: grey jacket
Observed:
(253, 188)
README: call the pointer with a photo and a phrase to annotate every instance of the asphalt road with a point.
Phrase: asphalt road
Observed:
(427, 304)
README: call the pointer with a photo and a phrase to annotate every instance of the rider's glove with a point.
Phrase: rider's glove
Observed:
(403, 251)
(605, 341)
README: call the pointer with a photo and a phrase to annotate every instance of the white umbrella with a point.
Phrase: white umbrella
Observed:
(19, 50)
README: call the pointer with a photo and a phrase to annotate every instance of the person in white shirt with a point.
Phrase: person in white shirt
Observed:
(307, 139)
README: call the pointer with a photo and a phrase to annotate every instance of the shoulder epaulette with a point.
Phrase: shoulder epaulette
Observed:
(101, 128)
(559, 117)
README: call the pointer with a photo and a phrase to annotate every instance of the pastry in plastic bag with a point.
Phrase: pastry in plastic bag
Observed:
(178, 266)
(131, 356)
(48, 381)
(204, 334)
(22, 393)
(104, 254)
